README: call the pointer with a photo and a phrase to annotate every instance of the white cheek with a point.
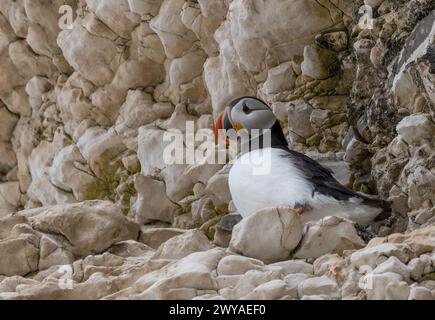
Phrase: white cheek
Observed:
(257, 119)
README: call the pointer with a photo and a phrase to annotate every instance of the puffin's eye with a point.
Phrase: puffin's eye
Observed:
(246, 109)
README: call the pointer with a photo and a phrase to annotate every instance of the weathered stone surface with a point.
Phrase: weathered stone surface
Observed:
(19, 256)
(374, 255)
(329, 235)
(316, 62)
(100, 53)
(420, 241)
(10, 195)
(281, 232)
(154, 237)
(318, 286)
(152, 202)
(87, 227)
(180, 246)
(237, 265)
(415, 128)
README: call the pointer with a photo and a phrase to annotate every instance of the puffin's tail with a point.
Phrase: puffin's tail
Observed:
(382, 204)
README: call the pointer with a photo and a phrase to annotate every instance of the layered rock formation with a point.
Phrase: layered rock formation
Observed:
(89, 90)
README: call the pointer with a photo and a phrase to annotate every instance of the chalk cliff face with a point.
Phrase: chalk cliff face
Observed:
(88, 89)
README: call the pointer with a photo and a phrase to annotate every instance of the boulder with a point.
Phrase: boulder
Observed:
(237, 265)
(416, 128)
(328, 235)
(418, 241)
(92, 55)
(317, 62)
(375, 255)
(319, 286)
(269, 235)
(181, 246)
(88, 227)
(154, 237)
(152, 202)
(10, 197)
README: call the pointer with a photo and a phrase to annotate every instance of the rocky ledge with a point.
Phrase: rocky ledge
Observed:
(89, 250)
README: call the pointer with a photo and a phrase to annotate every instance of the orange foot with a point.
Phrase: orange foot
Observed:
(299, 210)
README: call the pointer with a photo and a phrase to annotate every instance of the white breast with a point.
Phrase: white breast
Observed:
(264, 178)
(267, 178)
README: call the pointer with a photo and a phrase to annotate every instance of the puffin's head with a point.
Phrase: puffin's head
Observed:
(245, 113)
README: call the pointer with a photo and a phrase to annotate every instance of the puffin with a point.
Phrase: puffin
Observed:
(292, 179)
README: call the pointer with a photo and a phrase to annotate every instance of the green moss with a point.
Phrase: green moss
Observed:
(428, 277)
(314, 140)
(102, 188)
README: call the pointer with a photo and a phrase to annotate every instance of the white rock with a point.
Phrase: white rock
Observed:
(420, 293)
(152, 202)
(293, 266)
(28, 62)
(254, 39)
(299, 113)
(10, 284)
(176, 38)
(224, 78)
(139, 109)
(271, 290)
(154, 237)
(416, 268)
(181, 246)
(280, 78)
(88, 227)
(228, 281)
(89, 54)
(102, 149)
(19, 256)
(145, 7)
(7, 224)
(269, 235)
(115, 15)
(397, 291)
(185, 70)
(204, 21)
(375, 255)
(41, 189)
(10, 196)
(52, 253)
(416, 128)
(248, 283)
(328, 264)
(393, 265)
(218, 190)
(193, 271)
(319, 286)
(178, 183)
(377, 284)
(131, 248)
(293, 281)
(65, 174)
(316, 62)
(238, 265)
(150, 150)
(329, 235)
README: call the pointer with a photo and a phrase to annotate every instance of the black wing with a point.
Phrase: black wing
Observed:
(324, 182)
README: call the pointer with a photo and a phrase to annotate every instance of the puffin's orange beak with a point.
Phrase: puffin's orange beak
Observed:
(219, 125)
(225, 123)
